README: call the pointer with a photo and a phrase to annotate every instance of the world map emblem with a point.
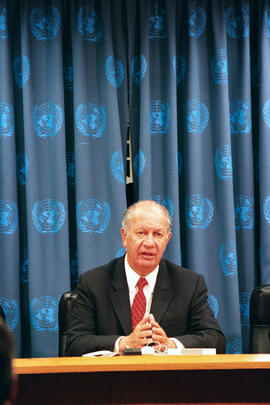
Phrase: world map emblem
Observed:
(179, 67)
(22, 163)
(244, 308)
(159, 117)
(197, 116)
(157, 23)
(266, 113)
(220, 66)
(228, 258)
(244, 211)
(11, 310)
(93, 215)
(267, 20)
(68, 72)
(8, 217)
(48, 215)
(139, 162)
(45, 22)
(199, 211)
(21, 69)
(6, 119)
(115, 71)
(3, 22)
(234, 346)
(223, 162)
(44, 313)
(240, 117)
(117, 166)
(266, 208)
(48, 119)
(237, 21)
(166, 201)
(213, 303)
(196, 20)
(90, 23)
(139, 68)
(90, 120)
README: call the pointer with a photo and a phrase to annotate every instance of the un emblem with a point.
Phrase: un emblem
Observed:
(139, 163)
(21, 69)
(234, 346)
(44, 314)
(157, 23)
(93, 216)
(22, 168)
(267, 20)
(228, 258)
(240, 117)
(266, 113)
(24, 266)
(114, 71)
(90, 24)
(159, 117)
(3, 22)
(237, 21)
(48, 215)
(244, 308)
(11, 310)
(6, 119)
(8, 217)
(266, 209)
(223, 162)
(48, 119)
(197, 116)
(199, 211)
(45, 22)
(220, 66)
(179, 67)
(117, 166)
(196, 20)
(166, 201)
(90, 119)
(213, 304)
(71, 168)
(120, 252)
(68, 72)
(179, 162)
(138, 69)
(244, 212)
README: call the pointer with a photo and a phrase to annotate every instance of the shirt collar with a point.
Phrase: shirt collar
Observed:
(133, 277)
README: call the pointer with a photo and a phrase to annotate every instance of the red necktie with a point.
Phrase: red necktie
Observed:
(139, 303)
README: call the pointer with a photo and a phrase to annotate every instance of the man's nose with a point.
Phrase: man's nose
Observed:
(149, 239)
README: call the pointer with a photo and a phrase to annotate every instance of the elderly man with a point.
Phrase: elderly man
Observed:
(142, 299)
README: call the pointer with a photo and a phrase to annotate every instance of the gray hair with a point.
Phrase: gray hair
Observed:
(128, 214)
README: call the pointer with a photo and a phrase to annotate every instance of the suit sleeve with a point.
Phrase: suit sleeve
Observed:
(203, 330)
(82, 332)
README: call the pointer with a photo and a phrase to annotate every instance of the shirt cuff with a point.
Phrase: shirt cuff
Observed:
(179, 345)
(116, 344)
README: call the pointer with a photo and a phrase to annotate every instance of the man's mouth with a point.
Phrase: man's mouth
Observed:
(147, 255)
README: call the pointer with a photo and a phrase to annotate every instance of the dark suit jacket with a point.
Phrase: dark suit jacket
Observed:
(102, 312)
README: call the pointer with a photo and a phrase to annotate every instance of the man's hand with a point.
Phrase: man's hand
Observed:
(159, 335)
(141, 335)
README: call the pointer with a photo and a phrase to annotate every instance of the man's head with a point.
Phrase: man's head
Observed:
(6, 352)
(146, 231)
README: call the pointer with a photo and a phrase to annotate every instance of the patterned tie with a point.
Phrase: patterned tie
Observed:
(139, 303)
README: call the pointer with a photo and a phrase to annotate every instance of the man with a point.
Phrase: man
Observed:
(7, 380)
(174, 300)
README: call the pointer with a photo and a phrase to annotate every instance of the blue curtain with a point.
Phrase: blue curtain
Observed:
(190, 80)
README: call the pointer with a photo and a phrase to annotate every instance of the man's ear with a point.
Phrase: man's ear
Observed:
(124, 236)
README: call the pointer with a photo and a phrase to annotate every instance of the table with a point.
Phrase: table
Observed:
(148, 379)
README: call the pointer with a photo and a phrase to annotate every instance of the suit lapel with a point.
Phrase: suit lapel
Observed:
(120, 297)
(162, 293)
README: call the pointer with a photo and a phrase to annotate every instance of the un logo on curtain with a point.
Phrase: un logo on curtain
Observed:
(244, 308)
(117, 166)
(48, 119)
(90, 119)
(179, 67)
(220, 66)
(90, 23)
(48, 215)
(139, 162)
(3, 22)
(115, 71)
(167, 202)
(197, 116)
(11, 310)
(199, 211)
(159, 117)
(213, 303)
(237, 21)
(196, 20)
(223, 162)
(44, 314)
(21, 69)
(93, 215)
(244, 212)
(157, 23)
(45, 22)
(139, 68)
(8, 217)
(228, 258)
(6, 119)
(240, 117)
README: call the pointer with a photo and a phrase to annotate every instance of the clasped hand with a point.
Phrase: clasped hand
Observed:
(146, 332)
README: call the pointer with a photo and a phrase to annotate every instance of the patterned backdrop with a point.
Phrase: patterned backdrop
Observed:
(191, 78)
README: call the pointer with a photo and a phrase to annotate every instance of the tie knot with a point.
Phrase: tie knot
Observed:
(141, 283)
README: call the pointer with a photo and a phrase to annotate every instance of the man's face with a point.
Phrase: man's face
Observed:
(146, 239)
